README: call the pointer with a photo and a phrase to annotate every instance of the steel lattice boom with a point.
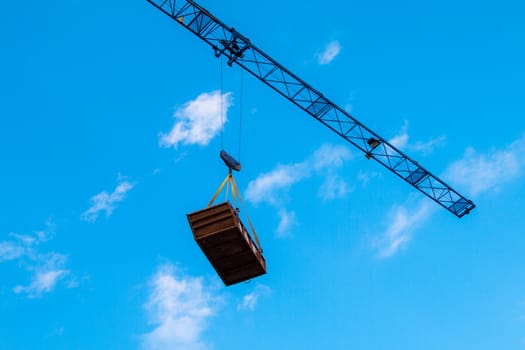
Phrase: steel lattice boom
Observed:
(238, 49)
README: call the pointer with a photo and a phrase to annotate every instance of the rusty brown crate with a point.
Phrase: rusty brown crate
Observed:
(226, 243)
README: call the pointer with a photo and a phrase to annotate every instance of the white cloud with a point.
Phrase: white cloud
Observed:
(266, 187)
(10, 250)
(287, 219)
(401, 141)
(425, 148)
(272, 187)
(25, 240)
(329, 157)
(250, 300)
(45, 276)
(46, 269)
(365, 177)
(402, 223)
(330, 52)
(199, 120)
(106, 202)
(47, 233)
(179, 307)
(478, 172)
(334, 187)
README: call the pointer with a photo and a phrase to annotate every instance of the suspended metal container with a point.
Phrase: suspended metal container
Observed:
(227, 244)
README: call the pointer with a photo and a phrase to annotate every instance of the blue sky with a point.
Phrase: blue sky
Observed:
(110, 131)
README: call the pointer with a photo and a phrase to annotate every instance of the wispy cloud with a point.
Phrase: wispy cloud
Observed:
(46, 234)
(401, 139)
(481, 172)
(10, 250)
(476, 173)
(179, 307)
(272, 187)
(250, 300)
(425, 148)
(287, 219)
(330, 52)
(46, 269)
(334, 187)
(106, 202)
(267, 187)
(199, 120)
(403, 221)
(328, 157)
(365, 177)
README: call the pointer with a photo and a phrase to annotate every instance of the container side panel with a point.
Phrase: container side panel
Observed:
(226, 243)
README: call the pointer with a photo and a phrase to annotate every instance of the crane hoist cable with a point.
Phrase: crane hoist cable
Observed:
(241, 98)
(221, 92)
(222, 111)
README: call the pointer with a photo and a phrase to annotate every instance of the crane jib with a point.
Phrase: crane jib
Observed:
(226, 41)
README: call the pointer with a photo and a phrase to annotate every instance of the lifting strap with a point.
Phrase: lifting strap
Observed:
(230, 183)
(219, 190)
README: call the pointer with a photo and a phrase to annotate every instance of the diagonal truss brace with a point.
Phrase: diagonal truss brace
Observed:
(238, 49)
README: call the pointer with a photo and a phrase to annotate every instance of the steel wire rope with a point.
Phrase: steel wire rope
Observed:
(240, 113)
(222, 104)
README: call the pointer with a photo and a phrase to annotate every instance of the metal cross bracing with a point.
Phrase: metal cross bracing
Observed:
(228, 42)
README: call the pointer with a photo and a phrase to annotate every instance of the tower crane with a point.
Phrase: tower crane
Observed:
(239, 50)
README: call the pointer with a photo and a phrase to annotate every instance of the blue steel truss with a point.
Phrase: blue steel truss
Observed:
(238, 49)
